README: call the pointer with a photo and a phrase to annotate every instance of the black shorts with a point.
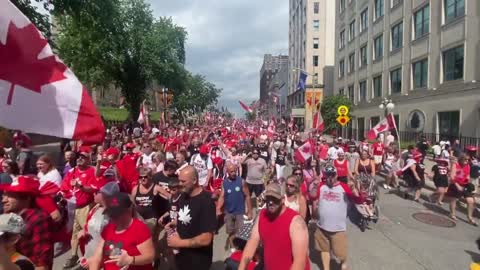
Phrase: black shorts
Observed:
(440, 183)
(255, 188)
(413, 183)
(455, 193)
(343, 179)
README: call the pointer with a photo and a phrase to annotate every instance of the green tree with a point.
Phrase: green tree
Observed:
(198, 96)
(250, 116)
(40, 20)
(329, 109)
(125, 46)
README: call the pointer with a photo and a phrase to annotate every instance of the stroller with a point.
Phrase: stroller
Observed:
(368, 203)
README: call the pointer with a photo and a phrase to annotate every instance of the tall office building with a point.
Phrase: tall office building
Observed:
(271, 65)
(311, 32)
(422, 55)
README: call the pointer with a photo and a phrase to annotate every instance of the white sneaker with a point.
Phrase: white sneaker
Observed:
(385, 186)
(389, 187)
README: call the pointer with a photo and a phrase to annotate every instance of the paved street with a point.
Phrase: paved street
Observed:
(397, 241)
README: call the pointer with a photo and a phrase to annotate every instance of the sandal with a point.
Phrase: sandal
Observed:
(453, 217)
(472, 222)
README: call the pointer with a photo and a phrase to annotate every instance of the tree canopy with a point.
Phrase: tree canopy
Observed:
(329, 109)
(127, 47)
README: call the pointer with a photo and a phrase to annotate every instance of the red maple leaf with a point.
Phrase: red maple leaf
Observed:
(20, 65)
(306, 149)
(381, 128)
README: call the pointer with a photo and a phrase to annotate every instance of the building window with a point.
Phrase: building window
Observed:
(397, 36)
(315, 60)
(362, 89)
(351, 63)
(316, 7)
(316, 25)
(453, 64)
(396, 81)
(351, 31)
(420, 73)
(342, 5)
(422, 21)
(315, 78)
(364, 20)
(351, 94)
(377, 87)
(396, 2)
(454, 9)
(363, 56)
(341, 68)
(315, 43)
(374, 121)
(378, 47)
(341, 92)
(361, 128)
(378, 9)
(342, 39)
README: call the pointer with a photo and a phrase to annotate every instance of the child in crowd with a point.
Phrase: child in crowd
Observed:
(240, 241)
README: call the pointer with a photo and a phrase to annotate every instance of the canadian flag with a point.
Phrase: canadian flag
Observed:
(318, 123)
(245, 107)
(38, 93)
(388, 123)
(141, 115)
(271, 128)
(304, 152)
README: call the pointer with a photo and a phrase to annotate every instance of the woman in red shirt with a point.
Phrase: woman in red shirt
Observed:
(126, 241)
(460, 186)
(343, 168)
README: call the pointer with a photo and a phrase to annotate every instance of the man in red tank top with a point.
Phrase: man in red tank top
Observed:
(283, 233)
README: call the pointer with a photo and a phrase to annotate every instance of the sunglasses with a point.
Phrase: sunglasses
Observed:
(298, 173)
(143, 177)
(82, 156)
(272, 200)
(291, 186)
(255, 153)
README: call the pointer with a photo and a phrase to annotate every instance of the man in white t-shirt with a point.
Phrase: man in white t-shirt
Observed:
(145, 160)
(204, 165)
(334, 150)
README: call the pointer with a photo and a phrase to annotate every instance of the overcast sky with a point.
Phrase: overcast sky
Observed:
(227, 40)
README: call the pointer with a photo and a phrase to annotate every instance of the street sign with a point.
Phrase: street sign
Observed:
(343, 120)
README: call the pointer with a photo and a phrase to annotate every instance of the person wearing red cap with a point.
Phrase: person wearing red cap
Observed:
(107, 161)
(36, 242)
(77, 189)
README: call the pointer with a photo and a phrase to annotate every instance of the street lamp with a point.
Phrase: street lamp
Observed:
(386, 105)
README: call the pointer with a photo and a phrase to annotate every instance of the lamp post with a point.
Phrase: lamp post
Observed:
(387, 106)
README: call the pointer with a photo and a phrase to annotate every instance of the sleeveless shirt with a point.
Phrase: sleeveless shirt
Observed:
(275, 236)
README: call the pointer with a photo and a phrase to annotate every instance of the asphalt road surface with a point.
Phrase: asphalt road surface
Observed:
(397, 241)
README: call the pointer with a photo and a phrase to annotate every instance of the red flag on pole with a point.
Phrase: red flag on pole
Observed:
(388, 123)
(245, 107)
(318, 123)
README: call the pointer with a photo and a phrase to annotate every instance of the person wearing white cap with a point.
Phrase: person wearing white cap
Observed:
(11, 228)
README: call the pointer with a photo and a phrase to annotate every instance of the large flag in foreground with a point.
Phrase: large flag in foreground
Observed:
(304, 152)
(38, 93)
(388, 123)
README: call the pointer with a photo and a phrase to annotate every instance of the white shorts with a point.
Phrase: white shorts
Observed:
(377, 159)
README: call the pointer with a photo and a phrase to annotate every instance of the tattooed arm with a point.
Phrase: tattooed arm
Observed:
(250, 248)
(299, 237)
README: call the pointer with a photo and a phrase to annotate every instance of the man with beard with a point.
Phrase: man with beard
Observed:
(234, 196)
(195, 224)
(331, 209)
(283, 233)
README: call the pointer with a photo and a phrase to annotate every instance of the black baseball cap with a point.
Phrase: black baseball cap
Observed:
(117, 204)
